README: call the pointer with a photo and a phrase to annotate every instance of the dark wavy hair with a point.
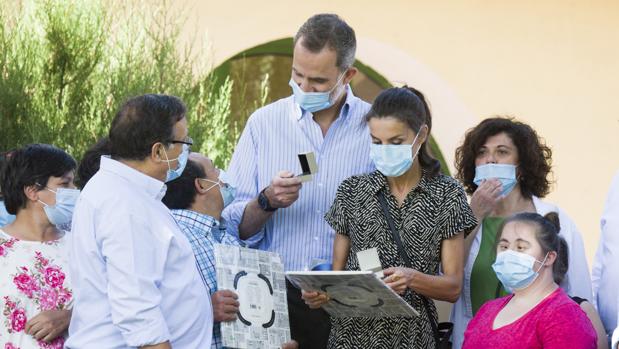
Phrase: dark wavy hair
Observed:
(534, 157)
(547, 235)
(409, 106)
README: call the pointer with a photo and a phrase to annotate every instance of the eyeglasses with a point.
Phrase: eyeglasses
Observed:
(187, 141)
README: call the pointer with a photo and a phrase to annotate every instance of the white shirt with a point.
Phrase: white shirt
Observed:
(605, 275)
(577, 281)
(135, 278)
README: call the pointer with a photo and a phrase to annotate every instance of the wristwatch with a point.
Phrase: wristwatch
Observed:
(264, 203)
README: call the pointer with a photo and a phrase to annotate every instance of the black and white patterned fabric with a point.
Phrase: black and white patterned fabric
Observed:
(435, 210)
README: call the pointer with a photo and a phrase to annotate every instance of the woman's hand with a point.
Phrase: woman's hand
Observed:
(314, 299)
(398, 278)
(48, 324)
(290, 345)
(485, 198)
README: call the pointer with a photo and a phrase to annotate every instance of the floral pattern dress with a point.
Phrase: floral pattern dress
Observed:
(32, 280)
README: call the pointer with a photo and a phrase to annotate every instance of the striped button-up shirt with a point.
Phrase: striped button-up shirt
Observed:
(270, 142)
(203, 231)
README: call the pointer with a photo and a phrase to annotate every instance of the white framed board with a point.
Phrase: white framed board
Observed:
(257, 277)
(353, 293)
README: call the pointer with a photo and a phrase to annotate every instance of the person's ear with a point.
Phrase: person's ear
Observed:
(350, 73)
(198, 185)
(157, 152)
(32, 192)
(423, 134)
(551, 259)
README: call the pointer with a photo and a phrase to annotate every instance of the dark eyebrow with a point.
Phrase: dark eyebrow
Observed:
(319, 80)
(504, 146)
(392, 138)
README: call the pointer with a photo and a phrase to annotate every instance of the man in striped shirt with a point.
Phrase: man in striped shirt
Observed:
(272, 210)
(196, 200)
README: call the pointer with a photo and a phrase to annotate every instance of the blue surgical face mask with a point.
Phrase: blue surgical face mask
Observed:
(393, 160)
(62, 212)
(505, 173)
(5, 217)
(516, 270)
(313, 101)
(182, 162)
(227, 190)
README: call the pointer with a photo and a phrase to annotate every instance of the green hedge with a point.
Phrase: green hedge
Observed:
(66, 66)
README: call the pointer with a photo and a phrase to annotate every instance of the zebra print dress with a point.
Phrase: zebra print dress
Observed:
(435, 210)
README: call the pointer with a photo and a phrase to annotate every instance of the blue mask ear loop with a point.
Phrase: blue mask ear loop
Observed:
(46, 188)
(542, 262)
(167, 160)
(337, 83)
(415, 140)
(212, 186)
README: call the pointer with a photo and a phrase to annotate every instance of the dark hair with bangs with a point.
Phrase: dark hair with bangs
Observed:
(409, 106)
(31, 165)
(534, 157)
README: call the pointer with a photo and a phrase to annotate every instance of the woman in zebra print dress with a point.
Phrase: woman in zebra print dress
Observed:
(430, 211)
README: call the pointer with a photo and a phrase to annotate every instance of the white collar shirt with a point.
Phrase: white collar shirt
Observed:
(135, 276)
(605, 275)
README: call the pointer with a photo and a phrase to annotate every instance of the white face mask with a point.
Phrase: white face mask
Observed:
(314, 101)
(393, 160)
(227, 190)
(516, 270)
(62, 212)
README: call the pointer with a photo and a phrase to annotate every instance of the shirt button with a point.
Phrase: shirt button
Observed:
(320, 184)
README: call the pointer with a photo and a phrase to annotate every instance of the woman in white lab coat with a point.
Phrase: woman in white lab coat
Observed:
(504, 166)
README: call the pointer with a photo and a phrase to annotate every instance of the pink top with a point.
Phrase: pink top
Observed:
(556, 322)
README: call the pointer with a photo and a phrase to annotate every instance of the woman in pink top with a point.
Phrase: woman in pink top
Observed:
(538, 314)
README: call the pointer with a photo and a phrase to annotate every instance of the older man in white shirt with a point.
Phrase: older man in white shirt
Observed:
(135, 278)
(605, 274)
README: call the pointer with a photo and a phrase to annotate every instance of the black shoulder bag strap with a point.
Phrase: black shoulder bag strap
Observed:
(407, 262)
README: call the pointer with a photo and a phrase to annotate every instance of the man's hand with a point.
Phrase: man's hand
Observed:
(485, 198)
(48, 324)
(225, 305)
(284, 189)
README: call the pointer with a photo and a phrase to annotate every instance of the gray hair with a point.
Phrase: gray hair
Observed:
(329, 30)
